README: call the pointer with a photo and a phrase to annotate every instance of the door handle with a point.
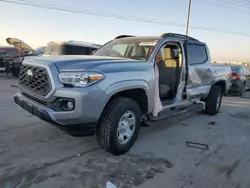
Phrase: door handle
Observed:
(208, 71)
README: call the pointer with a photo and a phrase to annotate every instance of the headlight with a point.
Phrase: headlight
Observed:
(80, 79)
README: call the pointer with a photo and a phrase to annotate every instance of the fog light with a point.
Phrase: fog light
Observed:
(67, 104)
(70, 105)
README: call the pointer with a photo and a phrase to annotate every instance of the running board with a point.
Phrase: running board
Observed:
(167, 113)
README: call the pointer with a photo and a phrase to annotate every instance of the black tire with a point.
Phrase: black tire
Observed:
(106, 133)
(242, 89)
(211, 107)
(84, 134)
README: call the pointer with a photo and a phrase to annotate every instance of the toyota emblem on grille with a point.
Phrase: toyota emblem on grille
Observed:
(29, 75)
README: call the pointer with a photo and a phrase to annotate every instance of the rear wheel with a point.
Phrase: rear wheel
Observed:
(242, 89)
(213, 101)
(119, 125)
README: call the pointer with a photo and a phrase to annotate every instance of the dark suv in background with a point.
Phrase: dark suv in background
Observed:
(240, 78)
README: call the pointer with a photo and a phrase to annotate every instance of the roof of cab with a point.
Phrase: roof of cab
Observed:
(164, 35)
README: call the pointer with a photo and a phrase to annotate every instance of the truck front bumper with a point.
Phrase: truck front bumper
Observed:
(31, 108)
(81, 119)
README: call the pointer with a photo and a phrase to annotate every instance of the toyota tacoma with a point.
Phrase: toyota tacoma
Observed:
(128, 81)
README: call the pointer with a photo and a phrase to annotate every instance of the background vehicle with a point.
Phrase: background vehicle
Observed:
(8, 53)
(70, 48)
(3, 54)
(125, 82)
(222, 69)
(25, 48)
(52, 48)
(14, 62)
(11, 51)
(40, 50)
(241, 78)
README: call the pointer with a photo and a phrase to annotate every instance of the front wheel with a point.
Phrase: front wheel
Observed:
(119, 125)
(213, 101)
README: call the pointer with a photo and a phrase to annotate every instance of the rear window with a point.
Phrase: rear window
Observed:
(196, 54)
(92, 49)
(11, 52)
(3, 53)
(77, 50)
(236, 70)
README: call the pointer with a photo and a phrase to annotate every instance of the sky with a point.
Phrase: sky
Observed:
(37, 26)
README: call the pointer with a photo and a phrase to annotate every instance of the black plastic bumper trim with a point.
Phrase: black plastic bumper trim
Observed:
(43, 115)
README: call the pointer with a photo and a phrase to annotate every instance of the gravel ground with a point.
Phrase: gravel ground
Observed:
(36, 154)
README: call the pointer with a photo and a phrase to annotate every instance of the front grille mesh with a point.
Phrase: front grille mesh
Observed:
(39, 83)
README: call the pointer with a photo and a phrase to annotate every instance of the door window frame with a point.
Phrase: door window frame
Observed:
(184, 61)
(206, 52)
(177, 43)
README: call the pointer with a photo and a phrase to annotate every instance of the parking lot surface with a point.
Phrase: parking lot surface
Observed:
(36, 154)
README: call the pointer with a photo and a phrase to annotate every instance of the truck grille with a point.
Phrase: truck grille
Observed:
(34, 79)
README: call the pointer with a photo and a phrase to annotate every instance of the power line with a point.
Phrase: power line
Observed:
(124, 17)
(238, 1)
(235, 3)
(93, 13)
(243, 1)
(220, 31)
(99, 12)
(223, 6)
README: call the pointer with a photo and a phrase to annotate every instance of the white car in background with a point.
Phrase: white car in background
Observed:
(70, 48)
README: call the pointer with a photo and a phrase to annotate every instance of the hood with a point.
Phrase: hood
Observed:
(20, 45)
(100, 63)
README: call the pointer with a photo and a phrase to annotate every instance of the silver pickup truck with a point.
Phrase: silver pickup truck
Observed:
(126, 82)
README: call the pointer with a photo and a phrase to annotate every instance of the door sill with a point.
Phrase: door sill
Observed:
(167, 102)
(170, 112)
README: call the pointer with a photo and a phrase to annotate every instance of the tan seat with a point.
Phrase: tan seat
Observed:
(139, 52)
(170, 59)
(167, 72)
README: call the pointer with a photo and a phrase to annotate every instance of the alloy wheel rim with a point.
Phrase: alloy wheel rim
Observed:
(126, 127)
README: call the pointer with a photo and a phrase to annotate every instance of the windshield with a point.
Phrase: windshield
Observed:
(138, 49)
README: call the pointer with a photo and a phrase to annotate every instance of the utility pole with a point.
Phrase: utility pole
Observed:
(188, 15)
